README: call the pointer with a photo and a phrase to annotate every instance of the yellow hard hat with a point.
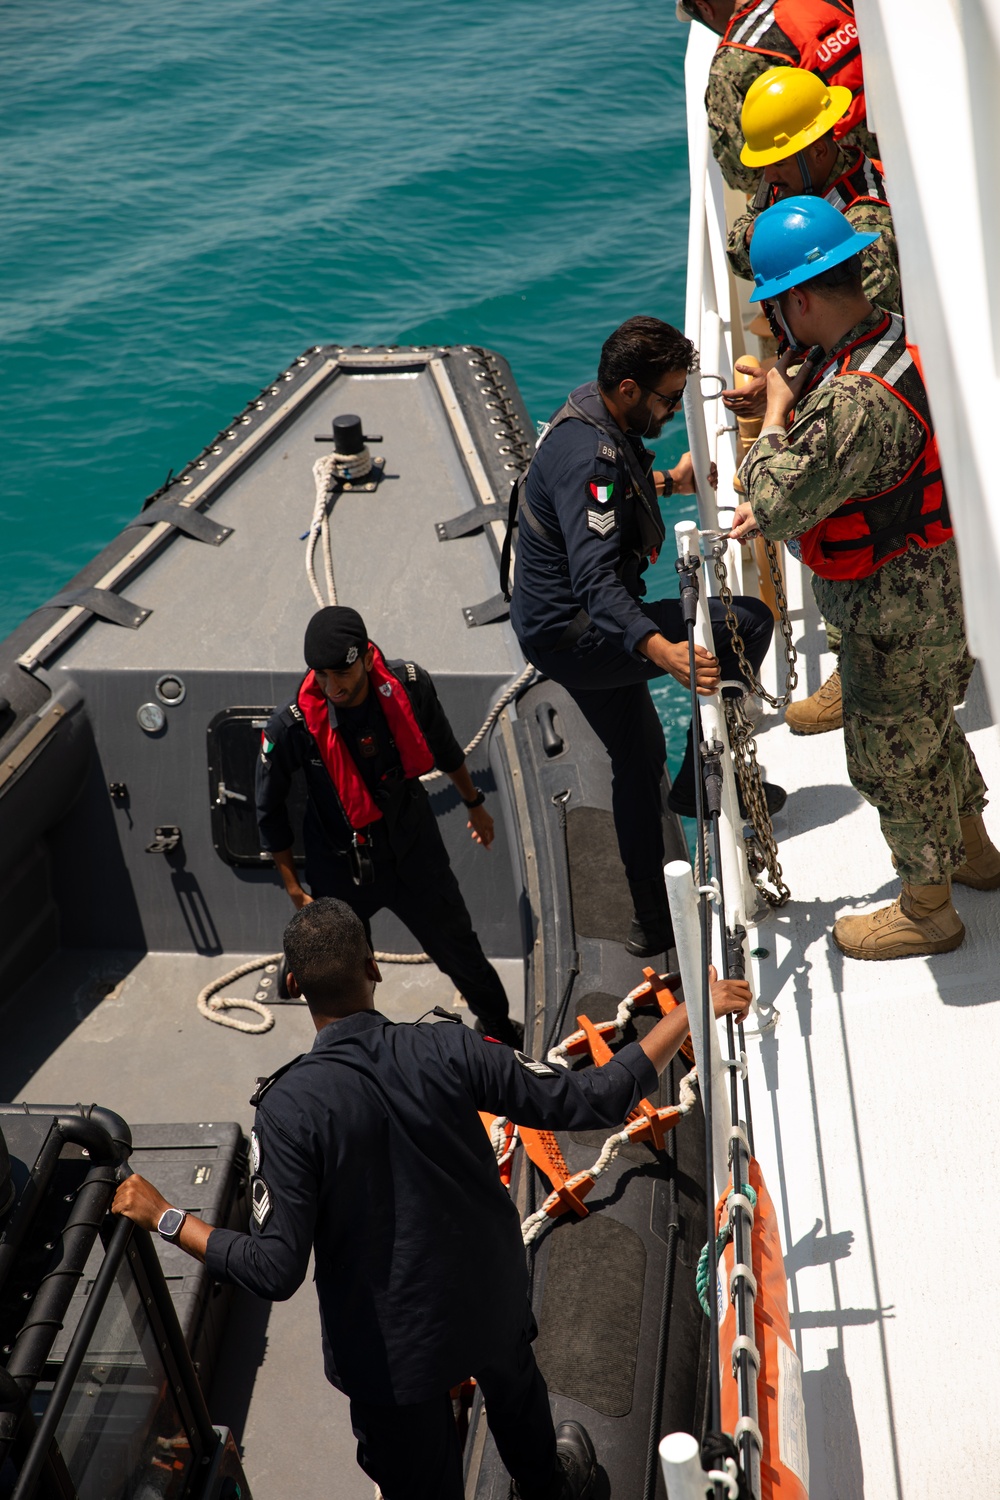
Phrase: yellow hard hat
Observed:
(785, 110)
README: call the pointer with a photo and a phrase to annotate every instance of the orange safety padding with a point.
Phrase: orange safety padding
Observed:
(543, 1149)
(664, 987)
(506, 1170)
(599, 1049)
(784, 1470)
(578, 1042)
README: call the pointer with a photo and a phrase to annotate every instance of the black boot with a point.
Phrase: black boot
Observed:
(577, 1458)
(651, 931)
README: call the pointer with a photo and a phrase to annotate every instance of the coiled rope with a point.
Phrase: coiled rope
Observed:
(212, 1005)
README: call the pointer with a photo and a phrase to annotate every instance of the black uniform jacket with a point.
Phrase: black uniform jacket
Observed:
(587, 500)
(326, 829)
(370, 1149)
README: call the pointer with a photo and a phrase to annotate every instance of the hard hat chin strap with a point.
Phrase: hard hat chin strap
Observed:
(807, 180)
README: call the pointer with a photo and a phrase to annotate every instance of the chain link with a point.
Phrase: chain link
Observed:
(784, 625)
(761, 845)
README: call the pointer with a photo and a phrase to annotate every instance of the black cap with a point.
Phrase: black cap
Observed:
(335, 638)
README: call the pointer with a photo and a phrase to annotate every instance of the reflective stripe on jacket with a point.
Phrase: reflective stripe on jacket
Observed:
(818, 35)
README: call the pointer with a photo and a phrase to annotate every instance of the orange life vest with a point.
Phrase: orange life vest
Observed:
(360, 807)
(818, 35)
(784, 1459)
(863, 182)
(865, 533)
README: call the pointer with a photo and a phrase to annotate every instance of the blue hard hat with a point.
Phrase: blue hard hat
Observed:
(795, 240)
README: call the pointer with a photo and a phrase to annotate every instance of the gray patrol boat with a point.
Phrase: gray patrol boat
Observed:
(132, 882)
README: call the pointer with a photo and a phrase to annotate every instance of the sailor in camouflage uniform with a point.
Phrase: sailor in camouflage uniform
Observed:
(852, 481)
(788, 120)
(759, 34)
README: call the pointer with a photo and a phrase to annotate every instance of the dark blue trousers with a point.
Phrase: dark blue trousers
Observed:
(422, 892)
(610, 687)
(413, 1453)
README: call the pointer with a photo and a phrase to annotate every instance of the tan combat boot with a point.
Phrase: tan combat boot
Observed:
(982, 859)
(822, 710)
(921, 921)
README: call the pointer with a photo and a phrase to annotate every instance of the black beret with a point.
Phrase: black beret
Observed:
(335, 638)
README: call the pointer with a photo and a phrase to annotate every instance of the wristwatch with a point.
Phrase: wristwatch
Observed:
(169, 1225)
(477, 800)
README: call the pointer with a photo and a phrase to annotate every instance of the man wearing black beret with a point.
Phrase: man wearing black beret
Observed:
(363, 731)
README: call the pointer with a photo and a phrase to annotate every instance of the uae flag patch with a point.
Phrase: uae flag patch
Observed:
(602, 490)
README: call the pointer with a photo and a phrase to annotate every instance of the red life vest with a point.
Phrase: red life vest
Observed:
(818, 35)
(863, 182)
(360, 807)
(865, 533)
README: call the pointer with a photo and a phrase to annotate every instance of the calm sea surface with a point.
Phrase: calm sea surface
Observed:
(192, 194)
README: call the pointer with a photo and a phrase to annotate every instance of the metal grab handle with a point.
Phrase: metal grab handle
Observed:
(226, 794)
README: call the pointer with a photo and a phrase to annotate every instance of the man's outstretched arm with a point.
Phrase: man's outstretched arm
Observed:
(545, 1097)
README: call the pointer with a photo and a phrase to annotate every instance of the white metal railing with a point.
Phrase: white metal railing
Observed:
(711, 431)
(713, 321)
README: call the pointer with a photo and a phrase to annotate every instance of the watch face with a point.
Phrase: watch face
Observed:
(170, 1222)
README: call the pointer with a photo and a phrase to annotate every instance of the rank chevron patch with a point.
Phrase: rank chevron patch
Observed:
(603, 522)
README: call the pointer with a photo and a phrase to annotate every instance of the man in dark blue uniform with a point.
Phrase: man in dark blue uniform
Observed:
(369, 1150)
(364, 731)
(588, 526)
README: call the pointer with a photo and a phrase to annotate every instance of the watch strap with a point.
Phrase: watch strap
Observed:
(477, 800)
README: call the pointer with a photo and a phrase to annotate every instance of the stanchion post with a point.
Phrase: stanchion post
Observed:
(680, 1461)
(683, 899)
(741, 894)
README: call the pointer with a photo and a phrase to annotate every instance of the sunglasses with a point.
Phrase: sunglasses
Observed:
(671, 401)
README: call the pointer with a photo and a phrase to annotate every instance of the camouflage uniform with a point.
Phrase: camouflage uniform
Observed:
(732, 72)
(904, 659)
(879, 261)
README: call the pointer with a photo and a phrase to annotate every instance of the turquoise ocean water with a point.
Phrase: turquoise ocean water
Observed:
(192, 194)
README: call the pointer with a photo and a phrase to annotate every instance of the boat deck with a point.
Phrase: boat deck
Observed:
(104, 1025)
(873, 1100)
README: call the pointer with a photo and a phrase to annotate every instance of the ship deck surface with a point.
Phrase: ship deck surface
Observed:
(873, 1108)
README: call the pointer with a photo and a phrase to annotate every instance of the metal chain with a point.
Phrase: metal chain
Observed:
(761, 847)
(784, 625)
